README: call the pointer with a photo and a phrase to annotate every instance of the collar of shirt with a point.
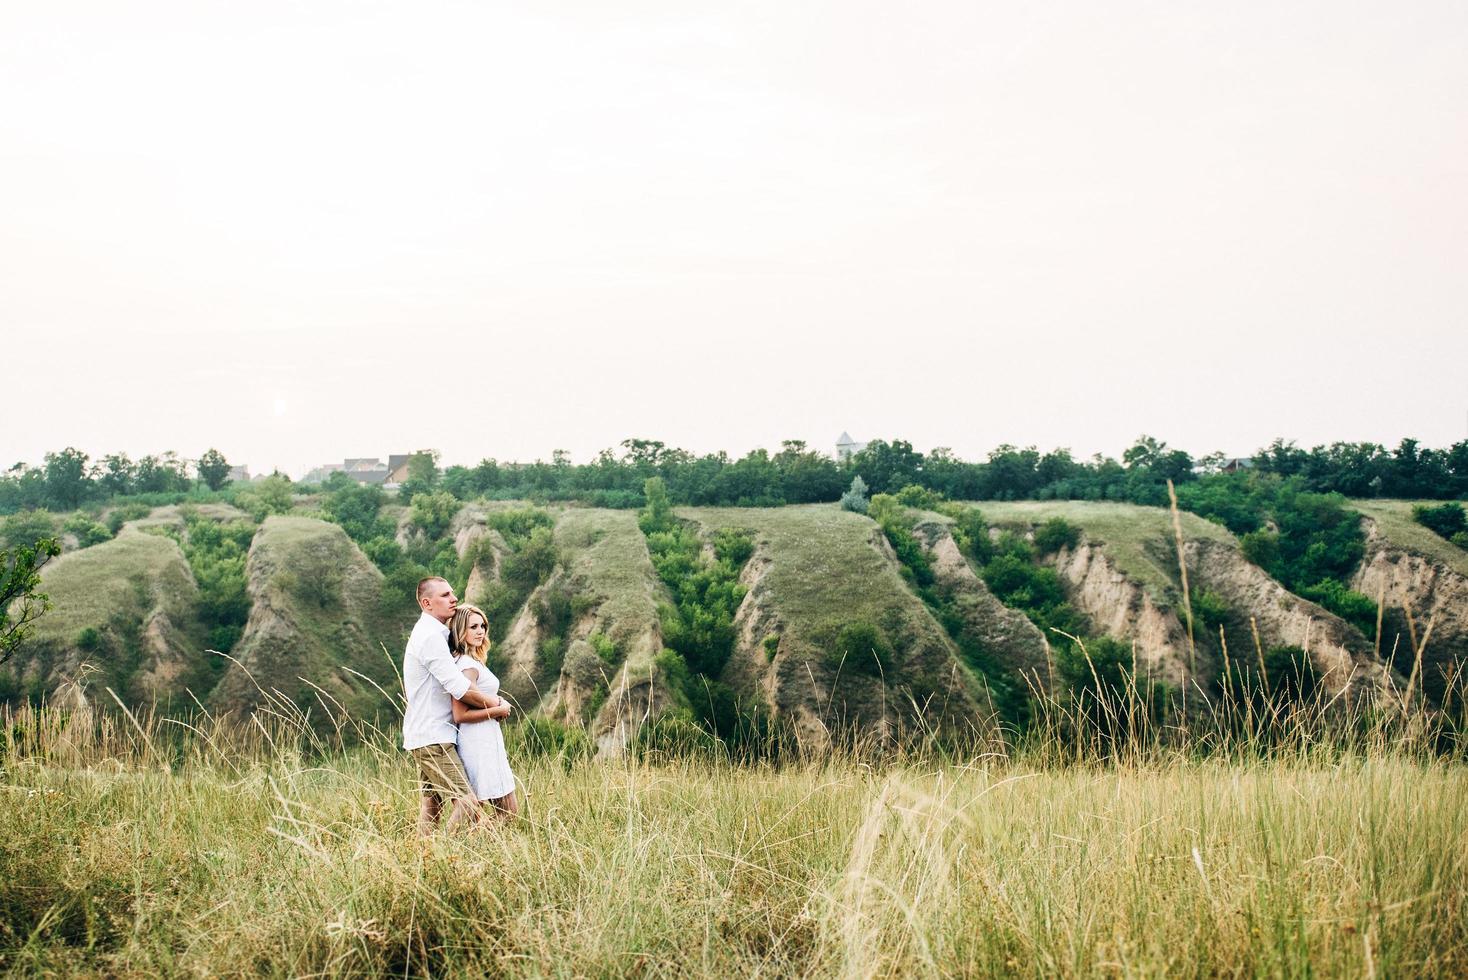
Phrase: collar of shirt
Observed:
(442, 627)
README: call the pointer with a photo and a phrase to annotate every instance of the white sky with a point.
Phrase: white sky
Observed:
(303, 231)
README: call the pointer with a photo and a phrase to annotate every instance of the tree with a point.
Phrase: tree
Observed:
(214, 469)
(164, 474)
(272, 495)
(888, 467)
(422, 476)
(115, 474)
(67, 482)
(20, 602)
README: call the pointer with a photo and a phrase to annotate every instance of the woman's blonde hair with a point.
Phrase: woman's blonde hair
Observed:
(459, 633)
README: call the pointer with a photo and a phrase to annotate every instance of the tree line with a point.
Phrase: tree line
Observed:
(68, 480)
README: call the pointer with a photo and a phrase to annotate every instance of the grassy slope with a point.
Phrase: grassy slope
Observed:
(1138, 540)
(824, 572)
(126, 577)
(606, 556)
(993, 868)
(294, 634)
(1394, 518)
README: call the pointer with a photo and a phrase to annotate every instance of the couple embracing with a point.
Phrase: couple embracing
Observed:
(451, 722)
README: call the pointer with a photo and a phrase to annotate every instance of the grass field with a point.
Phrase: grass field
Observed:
(1394, 517)
(1139, 540)
(225, 854)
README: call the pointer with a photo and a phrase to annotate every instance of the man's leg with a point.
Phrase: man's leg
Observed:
(428, 810)
(442, 774)
(466, 812)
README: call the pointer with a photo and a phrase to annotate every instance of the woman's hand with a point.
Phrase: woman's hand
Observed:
(500, 710)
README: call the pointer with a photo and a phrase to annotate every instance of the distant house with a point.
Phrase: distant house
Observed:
(239, 474)
(397, 469)
(847, 447)
(366, 469)
(1237, 463)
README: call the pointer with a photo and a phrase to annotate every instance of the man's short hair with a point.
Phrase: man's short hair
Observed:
(424, 583)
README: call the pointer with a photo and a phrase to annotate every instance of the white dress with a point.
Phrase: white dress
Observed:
(482, 744)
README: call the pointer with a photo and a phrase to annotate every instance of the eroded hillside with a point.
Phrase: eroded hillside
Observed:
(1123, 575)
(124, 616)
(1421, 580)
(818, 573)
(317, 629)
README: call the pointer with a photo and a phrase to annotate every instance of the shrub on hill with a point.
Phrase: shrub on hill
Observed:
(122, 513)
(861, 647)
(698, 629)
(1445, 520)
(892, 517)
(87, 531)
(25, 528)
(433, 511)
(217, 554)
(1054, 534)
(855, 498)
(272, 495)
(1288, 678)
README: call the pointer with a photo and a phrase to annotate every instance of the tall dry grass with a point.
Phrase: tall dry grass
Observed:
(146, 845)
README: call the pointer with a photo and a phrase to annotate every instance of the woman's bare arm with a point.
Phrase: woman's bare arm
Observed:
(484, 705)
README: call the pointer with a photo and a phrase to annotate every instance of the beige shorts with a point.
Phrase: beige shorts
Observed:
(441, 772)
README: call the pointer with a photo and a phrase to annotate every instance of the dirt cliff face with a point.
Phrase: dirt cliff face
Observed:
(1006, 634)
(1433, 594)
(1121, 608)
(1341, 654)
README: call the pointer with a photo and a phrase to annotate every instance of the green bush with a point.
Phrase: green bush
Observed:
(217, 555)
(605, 648)
(536, 736)
(897, 525)
(89, 639)
(552, 655)
(354, 506)
(771, 645)
(1357, 609)
(855, 499)
(272, 495)
(860, 646)
(25, 528)
(971, 534)
(433, 512)
(1290, 678)
(1445, 520)
(733, 545)
(919, 497)
(1461, 540)
(122, 513)
(1209, 609)
(86, 531)
(1056, 533)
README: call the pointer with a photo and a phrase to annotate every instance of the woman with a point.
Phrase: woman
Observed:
(481, 743)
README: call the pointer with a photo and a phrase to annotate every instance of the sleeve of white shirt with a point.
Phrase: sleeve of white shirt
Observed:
(436, 658)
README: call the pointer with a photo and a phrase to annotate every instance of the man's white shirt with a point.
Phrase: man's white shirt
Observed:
(430, 684)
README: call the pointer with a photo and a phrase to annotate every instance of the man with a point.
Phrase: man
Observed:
(431, 682)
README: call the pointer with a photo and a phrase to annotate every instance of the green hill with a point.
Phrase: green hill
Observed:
(317, 628)
(126, 607)
(819, 574)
